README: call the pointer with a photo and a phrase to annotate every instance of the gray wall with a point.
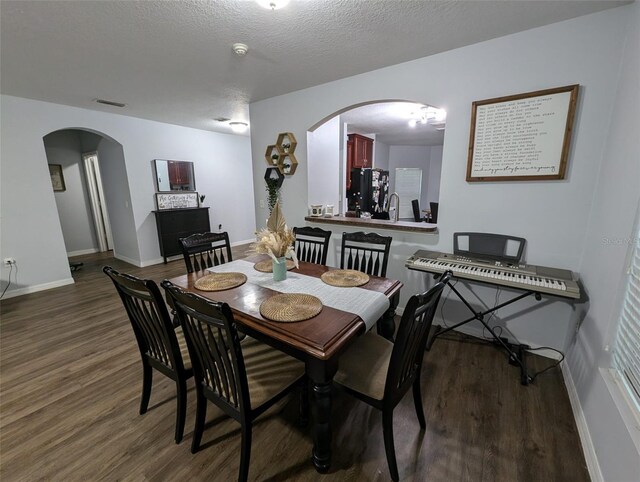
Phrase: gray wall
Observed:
(434, 175)
(552, 216)
(74, 207)
(223, 172)
(381, 155)
(609, 238)
(324, 164)
(410, 157)
(116, 192)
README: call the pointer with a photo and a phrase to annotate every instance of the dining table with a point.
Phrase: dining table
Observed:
(318, 341)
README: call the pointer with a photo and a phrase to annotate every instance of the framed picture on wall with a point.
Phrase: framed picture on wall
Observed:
(57, 178)
(524, 137)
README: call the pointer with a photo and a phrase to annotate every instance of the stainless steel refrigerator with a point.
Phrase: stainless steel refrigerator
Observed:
(369, 190)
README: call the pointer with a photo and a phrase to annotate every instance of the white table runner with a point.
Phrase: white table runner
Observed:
(368, 305)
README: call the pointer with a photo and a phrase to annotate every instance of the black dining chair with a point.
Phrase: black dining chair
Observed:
(366, 252)
(242, 379)
(201, 251)
(415, 205)
(312, 244)
(162, 346)
(434, 212)
(380, 372)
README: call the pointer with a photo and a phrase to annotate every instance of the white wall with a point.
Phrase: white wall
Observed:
(324, 164)
(381, 155)
(74, 207)
(552, 216)
(409, 157)
(434, 175)
(115, 184)
(603, 266)
(223, 172)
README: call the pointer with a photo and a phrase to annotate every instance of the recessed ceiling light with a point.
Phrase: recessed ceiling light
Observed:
(273, 4)
(238, 126)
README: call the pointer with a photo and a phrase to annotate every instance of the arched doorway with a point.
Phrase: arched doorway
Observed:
(394, 146)
(88, 175)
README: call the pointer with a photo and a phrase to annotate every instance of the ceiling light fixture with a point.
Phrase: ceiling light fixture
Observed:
(238, 127)
(428, 114)
(273, 4)
(240, 49)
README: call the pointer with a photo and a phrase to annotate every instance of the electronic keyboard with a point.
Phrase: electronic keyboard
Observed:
(538, 279)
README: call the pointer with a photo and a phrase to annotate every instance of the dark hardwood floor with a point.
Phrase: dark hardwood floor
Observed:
(70, 389)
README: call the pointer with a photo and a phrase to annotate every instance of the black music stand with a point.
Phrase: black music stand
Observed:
(491, 247)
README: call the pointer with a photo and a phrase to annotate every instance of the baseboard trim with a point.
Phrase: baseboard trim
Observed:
(134, 262)
(583, 429)
(35, 288)
(246, 241)
(80, 252)
(151, 262)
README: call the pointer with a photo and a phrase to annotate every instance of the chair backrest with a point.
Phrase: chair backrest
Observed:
(434, 212)
(214, 348)
(416, 210)
(205, 250)
(150, 320)
(368, 252)
(312, 244)
(411, 340)
(380, 215)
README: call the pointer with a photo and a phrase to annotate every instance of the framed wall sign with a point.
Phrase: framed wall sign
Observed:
(176, 200)
(57, 178)
(522, 137)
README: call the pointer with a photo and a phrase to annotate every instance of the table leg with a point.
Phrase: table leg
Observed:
(387, 324)
(321, 375)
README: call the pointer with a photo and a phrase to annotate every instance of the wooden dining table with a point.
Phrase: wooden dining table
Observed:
(318, 342)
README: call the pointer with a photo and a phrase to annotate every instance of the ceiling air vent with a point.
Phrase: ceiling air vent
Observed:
(110, 102)
(222, 119)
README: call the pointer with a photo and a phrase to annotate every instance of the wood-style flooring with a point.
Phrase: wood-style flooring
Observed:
(71, 379)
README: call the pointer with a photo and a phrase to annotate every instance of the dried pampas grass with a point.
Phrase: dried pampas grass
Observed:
(276, 239)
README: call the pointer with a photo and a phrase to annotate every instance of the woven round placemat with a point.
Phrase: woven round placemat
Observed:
(220, 281)
(345, 278)
(266, 266)
(290, 307)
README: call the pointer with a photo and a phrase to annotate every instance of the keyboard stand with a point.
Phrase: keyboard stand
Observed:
(517, 356)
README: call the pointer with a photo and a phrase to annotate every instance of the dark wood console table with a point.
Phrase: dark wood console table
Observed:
(174, 224)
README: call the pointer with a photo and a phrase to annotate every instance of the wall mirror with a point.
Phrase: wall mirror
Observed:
(174, 175)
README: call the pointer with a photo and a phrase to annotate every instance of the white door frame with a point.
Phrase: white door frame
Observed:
(97, 199)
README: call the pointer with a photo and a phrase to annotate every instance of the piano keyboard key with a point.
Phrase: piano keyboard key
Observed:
(496, 276)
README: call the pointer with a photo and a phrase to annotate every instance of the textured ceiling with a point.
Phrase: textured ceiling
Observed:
(172, 61)
(389, 121)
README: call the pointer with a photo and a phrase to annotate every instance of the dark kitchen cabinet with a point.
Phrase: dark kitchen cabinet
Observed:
(174, 224)
(359, 154)
(181, 175)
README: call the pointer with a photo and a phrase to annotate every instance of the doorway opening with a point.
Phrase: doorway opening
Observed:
(97, 200)
(89, 186)
(359, 156)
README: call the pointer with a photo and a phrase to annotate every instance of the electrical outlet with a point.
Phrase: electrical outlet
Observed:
(219, 228)
(9, 261)
(262, 205)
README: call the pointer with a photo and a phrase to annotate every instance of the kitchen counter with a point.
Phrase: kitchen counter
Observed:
(411, 226)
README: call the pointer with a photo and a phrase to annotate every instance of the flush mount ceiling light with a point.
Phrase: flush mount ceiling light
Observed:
(428, 114)
(273, 4)
(238, 127)
(240, 49)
